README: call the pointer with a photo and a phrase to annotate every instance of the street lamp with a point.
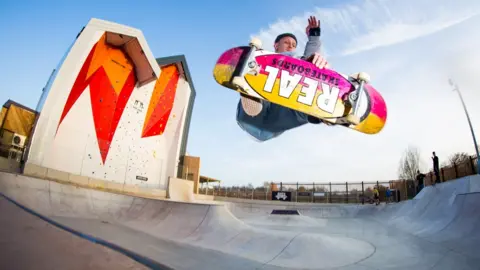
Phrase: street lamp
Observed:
(455, 88)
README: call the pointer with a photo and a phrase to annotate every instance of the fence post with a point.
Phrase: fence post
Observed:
(330, 196)
(378, 187)
(296, 194)
(363, 194)
(456, 169)
(472, 166)
(346, 185)
(442, 176)
(313, 192)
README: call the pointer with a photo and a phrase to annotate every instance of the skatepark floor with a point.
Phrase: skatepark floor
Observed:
(436, 230)
(28, 242)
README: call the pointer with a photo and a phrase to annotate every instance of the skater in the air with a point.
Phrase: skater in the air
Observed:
(265, 120)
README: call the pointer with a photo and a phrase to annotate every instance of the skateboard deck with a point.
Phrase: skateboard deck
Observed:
(299, 85)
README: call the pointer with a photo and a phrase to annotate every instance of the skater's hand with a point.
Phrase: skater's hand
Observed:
(318, 60)
(312, 23)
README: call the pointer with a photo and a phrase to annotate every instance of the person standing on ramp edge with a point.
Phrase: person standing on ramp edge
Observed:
(436, 168)
(420, 181)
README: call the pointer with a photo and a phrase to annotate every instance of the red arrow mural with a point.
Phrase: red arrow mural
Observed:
(110, 76)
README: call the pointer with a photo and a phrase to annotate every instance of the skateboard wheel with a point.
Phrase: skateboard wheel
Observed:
(362, 76)
(252, 64)
(352, 97)
(353, 119)
(256, 42)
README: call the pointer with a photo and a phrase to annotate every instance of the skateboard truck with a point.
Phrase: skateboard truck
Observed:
(355, 98)
(237, 78)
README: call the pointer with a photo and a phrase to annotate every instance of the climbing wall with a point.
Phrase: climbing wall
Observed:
(102, 123)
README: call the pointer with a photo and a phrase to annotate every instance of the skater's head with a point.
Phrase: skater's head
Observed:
(286, 42)
(433, 153)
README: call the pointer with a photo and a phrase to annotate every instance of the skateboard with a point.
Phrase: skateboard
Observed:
(299, 85)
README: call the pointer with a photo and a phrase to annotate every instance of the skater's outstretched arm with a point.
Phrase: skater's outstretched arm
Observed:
(312, 48)
(313, 32)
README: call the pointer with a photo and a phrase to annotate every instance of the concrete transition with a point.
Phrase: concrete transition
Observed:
(439, 229)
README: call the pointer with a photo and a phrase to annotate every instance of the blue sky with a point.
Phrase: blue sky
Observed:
(392, 40)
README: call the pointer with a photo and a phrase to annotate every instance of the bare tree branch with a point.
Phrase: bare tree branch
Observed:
(458, 158)
(266, 185)
(409, 163)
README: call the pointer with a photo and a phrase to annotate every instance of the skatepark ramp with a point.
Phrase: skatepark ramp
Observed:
(436, 230)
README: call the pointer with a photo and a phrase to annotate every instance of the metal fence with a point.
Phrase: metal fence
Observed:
(313, 192)
(347, 192)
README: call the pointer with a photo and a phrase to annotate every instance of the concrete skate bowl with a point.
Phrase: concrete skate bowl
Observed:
(439, 229)
(212, 236)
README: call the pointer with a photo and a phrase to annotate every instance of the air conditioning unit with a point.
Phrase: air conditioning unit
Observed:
(18, 140)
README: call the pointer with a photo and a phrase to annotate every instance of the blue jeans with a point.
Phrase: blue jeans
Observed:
(272, 121)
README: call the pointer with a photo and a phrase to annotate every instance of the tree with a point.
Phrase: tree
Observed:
(458, 158)
(266, 185)
(409, 163)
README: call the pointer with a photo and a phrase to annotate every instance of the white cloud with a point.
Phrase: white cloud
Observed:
(365, 25)
(392, 33)
(409, 48)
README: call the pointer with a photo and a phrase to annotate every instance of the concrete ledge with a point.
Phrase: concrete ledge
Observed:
(202, 197)
(113, 186)
(97, 184)
(144, 192)
(53, 174)
(180, 189)
(36, 171)
(78, 179)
